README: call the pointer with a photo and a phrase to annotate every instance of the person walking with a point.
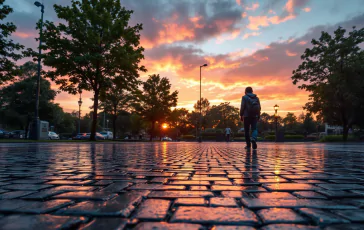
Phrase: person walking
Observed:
(250, 114)
(227, 133)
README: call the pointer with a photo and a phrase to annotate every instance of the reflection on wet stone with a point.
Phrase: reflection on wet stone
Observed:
(181, 186)
(218, 215)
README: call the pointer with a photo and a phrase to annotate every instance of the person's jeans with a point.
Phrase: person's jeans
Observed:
(250, 122)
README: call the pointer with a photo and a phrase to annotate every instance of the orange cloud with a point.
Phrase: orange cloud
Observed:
(222, 38)
(307, 9)
(22, 34)
(290, 54)
(247, 35)
(238, 2)
(302, 43)
(243, 15)
(289, 6)
(263, 21)
(253, 7)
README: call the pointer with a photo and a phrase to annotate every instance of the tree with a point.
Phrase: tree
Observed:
(18, 99)
(224, 115)
(205, 106)
(115, 100)
(290, 120)
(332, 71)
(8, 48)
(309, 124)
(265, 121)
(94, 48)
(178, 119)
(156, 100)
(27, 70)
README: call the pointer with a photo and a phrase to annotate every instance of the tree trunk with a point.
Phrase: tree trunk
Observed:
(345, 132)
(114, 127)
(94, 116)
(152, 131)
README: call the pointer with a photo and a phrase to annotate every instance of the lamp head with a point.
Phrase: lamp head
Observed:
(38, 4)
(276, 107)
(204, 65)
(80, 102)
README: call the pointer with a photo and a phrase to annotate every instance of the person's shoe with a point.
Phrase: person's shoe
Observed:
(247, 148)
(254, 143)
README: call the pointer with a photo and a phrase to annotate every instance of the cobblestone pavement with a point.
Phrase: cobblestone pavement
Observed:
(181, 186)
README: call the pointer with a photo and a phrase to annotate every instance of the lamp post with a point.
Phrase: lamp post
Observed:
(107, 124)
(79, 113)
(200, 138)
(276, 107)
(35, 132)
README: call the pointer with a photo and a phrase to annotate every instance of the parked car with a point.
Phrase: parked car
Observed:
(79, 136)
(166, 139)
(4, 133)
(107, 134)
(53, 136)
(86, 136)
(17, 134)
(99, 136)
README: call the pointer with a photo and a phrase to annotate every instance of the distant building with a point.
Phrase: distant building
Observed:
(333, 129)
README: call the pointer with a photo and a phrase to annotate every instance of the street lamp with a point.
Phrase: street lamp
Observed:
(276, 107)
(79, 113)
(35, 132)
(200, 138)
(107, 124)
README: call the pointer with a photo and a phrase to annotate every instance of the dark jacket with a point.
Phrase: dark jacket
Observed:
(244, 104)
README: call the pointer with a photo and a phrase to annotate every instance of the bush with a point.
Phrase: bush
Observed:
(209, 138)
(239, 135)
(208, 134)
(270, 137)
(294, 137)
(337, 138)
(209, 130)
(188, 137)
(65, 136)
(219, 131)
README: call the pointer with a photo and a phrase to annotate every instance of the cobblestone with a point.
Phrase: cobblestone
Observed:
(216, 186)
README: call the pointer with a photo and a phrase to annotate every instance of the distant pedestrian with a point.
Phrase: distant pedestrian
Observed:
(227, 133)
(250, 114)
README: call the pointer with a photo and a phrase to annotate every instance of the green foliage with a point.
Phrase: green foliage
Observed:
(94, 48)
(294, 137)
(17, 102)
(188, 137)
(332, 71)
(337, 138)
(205, 106)
(223, 116)
(8, 49)
(178, 119)
(270, 137)
(156, 100)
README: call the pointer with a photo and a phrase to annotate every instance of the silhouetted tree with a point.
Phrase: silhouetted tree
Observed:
(333, 72)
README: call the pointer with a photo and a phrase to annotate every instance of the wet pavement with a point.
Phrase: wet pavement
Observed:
(181, 186)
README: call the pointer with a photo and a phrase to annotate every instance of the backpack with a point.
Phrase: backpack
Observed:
(253, 107)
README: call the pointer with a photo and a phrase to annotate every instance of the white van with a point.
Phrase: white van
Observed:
(107, 134)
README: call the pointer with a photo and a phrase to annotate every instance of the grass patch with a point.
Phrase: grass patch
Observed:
(337, 138)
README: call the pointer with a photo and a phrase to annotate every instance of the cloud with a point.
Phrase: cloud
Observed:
(255, 22)
(289, 12)
(166, 22)
(307, 9)
(302, 43)
(247, 35)
(253, 7)
(290, 54)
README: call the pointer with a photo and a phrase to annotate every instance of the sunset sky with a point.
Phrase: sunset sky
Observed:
(245, 43)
